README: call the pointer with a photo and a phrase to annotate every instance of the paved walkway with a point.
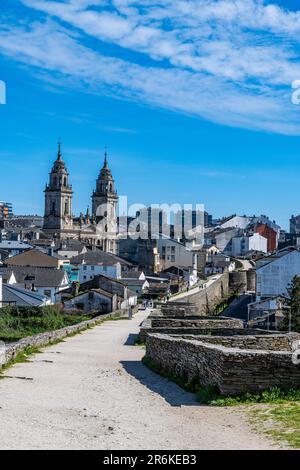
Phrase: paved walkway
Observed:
(92, 392)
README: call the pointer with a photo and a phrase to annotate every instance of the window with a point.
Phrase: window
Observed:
(173, 249)
(84, 268)
(93, 268)
(47, 293)
(173, 258)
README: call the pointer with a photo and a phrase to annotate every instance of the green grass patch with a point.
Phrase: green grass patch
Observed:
(19, 322)
(281, 422)
(22, 356)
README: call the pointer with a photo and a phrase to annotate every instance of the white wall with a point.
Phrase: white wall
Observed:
(258, 243)
(174, 254)
(273, 278)
(88, 272)
(241, 245)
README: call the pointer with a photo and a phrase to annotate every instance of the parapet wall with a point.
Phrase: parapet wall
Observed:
(254, 340)
(202, 302)
(203, 322)
(235, 371)
(200, 325)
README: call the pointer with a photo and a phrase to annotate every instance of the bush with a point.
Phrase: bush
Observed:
(19, 322)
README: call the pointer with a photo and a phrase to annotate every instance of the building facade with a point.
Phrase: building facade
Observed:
(6, 210)
(295, 224)
(58, 197)
(96, 229)
(275, 272)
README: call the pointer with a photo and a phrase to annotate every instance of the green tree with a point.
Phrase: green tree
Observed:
(292, 314)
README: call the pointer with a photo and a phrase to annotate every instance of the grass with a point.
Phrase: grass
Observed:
(22, 356)
(19, 322)
(280, 422)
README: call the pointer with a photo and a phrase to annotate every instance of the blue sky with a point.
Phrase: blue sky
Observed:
(193, 99)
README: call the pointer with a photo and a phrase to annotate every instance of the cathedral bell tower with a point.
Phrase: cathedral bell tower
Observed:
(105, 198)
(58, 197)
(104, 211)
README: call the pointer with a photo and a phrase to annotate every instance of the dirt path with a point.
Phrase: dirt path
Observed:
(92, 392)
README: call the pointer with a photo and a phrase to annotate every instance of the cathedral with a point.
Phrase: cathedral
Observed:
(98, 228)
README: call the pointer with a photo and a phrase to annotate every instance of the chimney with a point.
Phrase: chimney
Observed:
(50, 251)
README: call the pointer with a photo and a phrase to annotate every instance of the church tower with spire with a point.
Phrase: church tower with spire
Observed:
(58, 197)
(104, 207)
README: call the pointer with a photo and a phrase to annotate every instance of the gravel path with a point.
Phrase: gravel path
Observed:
(92, 392)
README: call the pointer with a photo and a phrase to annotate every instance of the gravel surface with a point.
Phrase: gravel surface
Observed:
(92, 392)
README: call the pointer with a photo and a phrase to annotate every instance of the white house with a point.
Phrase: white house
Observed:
(252, 242)
(275, 272)
(174, 253)
(46, 282)
(86, 272)
(138, 286)
(94, 300)
(16, 296)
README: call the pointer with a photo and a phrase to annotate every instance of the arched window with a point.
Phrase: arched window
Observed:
(65, 181)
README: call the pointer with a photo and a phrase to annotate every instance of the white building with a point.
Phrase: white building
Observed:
(174, 253)
(253, 242)
(275, 272)
(243, 221)
(45, 282)
(86, 272)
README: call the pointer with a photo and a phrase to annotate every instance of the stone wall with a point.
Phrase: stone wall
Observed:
(197, 325)
(42, 339)
(277, 342)
(235, 371)
(202, 302)
(203, 322)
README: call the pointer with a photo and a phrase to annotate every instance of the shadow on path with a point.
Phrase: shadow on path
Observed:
(130, 341)
(171, 392)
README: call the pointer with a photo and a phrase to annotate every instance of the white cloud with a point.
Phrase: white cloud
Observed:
(231, 61)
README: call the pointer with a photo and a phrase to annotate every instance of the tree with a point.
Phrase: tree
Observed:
(292, 314)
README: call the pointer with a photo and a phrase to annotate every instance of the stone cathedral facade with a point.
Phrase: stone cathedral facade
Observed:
(98, 228)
